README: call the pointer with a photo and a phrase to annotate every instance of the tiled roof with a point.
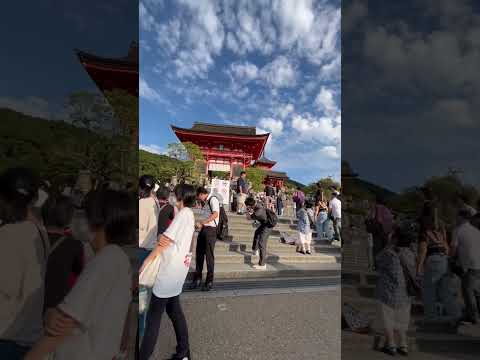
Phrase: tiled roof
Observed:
(224, 129)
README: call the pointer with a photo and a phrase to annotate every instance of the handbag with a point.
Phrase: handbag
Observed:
(413, 287)
(372, 225)
(147, 277)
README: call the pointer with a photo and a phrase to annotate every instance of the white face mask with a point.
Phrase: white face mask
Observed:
(42, 197)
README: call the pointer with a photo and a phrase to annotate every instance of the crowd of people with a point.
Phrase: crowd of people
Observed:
(427, 260)
(170, 236)
(315, 213)
(61, 297)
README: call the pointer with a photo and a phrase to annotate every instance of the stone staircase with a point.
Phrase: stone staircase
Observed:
(234, 258)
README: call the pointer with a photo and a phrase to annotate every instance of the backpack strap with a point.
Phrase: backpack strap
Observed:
(57, 244)
(45, 242)
(210, 206)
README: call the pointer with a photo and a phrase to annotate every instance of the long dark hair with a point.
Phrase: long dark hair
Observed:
(146, 185)
(115, 212)
(18, 190)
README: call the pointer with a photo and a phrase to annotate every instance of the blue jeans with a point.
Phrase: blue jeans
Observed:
(436, 267)
(12, 351)
(321, 223)
(142, 255)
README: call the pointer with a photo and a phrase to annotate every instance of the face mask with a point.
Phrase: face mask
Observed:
(42, 197)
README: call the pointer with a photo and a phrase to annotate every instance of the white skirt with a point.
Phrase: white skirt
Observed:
(305, 239)
(389, 318)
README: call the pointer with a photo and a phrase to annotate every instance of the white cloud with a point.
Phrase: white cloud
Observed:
(279, 73)
(325, 101)
(284, 110)
(147, 21)
(332, 70)
(204, 39)
(330, 152)
(244, 71)
(312, 129)
(147, 92)
(33, 106)
(152, 148)
(168, 35)
(274, 126)
(294, 18)
(354, 13)
(312, 29)
(455, 111)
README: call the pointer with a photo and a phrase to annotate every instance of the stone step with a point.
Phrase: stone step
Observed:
(243, 238)
(246, 221)
(274, 271)
(235, 285)
(283, 228)
(251, 231)
(273, 258)
(271, 239)
(273, 246)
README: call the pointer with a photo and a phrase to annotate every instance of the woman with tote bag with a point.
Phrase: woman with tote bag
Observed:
(165, 270)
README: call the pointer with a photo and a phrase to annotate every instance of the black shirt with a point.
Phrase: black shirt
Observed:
(260, 214)
(242, 185)
(65, 260)
(165, 217)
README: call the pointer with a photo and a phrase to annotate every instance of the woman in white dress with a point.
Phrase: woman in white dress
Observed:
(175, 247)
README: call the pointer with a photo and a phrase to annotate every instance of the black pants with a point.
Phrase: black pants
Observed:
(471, 294)
(260, 242)
(12, 350)
(154, 318)
(206, 248)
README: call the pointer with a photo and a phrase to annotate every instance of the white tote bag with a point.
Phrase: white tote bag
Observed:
(149, 274)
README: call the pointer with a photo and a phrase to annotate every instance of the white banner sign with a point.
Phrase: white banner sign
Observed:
(221, 189)
(218, 167)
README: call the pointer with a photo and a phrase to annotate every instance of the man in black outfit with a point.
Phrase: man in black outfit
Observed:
(206, 239)
(259, 213)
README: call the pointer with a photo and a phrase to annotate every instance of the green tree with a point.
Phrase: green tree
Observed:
(326, 184)
(256, 176)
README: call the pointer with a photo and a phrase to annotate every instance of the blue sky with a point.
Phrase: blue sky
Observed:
(40, 66)
(270, 64)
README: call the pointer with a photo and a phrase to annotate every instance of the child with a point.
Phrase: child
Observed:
(304, 230)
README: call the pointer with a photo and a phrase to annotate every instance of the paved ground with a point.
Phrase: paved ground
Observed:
(359, 347)
(300, 325)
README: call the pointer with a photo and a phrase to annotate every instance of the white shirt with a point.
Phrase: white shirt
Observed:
(23, 254)
(148, 223)
(99, 301)
(206, 212)
(335, 208)
(466, 239)
(176, 258)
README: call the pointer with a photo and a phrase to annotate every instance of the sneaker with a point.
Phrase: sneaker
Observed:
(194, 284)
(389, 350)
(260, 267)
(207, 286)
(309, 252)
(254, 252)
(176, 357)
(402, 350)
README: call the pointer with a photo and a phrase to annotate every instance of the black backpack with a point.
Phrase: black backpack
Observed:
(222, 222)
(272, 218)
(269, 191)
